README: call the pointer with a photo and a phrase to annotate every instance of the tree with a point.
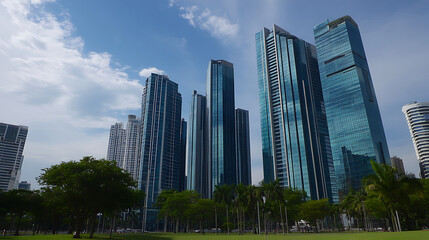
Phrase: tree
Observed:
(201, 210)
(223, 195)
(314, 210)
(90, 186)
(293, 198)
(392, 190)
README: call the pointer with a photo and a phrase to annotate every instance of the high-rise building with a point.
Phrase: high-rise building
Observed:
(417, 115)
(182, 177)
(398, 164)
(116, 148)
(355, 127)
(242, 147)
(295, 138)
(197, 169)
(12, 141)
(132, 153)
(160, 152)
(221, 133)
(24, 185)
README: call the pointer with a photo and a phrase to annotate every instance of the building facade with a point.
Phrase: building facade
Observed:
(116, 147)
(242, 147)
(183, 133)
(220, 117)
(417, 115)
(355, 127)
(398, 164)
(24, 185)
(295, 138)
(132, 154)
(12, 142)
(197, 159)
(160, 152)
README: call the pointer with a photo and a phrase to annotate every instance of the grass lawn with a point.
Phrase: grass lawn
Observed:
(412, 235)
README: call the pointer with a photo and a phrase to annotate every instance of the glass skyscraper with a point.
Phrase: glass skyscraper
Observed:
(182, 175)
(12, 142)
(197, 178)
(242, 147)
(295, 139)
(221, 133)
(160, 152)
(355, 126)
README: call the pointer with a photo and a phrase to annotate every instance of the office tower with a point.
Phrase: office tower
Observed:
(24, 185)
(295, 139)
(182, 177)
(221, 133)
(116, 148)
(354, 121)
(398, 164)
(417, 115)
(242, 147)
(132, 152)
(197, 169)
(160, 152)
(12, 141)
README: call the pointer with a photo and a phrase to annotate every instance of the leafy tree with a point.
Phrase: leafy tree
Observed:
(293, 198)
(392, 190)
(223, 195)
(90, 186)
(201, 210)
(314, 210)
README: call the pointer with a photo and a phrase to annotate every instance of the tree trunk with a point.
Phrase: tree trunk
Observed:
(18, 225)
(165, 223)
(92, 226)
(238, 222)
(227, 219)
(177, 226)
(112, 225)
(281, 217)
(216, 220)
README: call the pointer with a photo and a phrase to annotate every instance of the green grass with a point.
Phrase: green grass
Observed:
(412, 235)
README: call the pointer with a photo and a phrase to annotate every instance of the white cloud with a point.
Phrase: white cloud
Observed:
(172, 3)
(145, 72)
(217, 26)
(68, 98)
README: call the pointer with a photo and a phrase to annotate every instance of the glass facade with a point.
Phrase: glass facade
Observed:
(221, 133)
(160, 152)
(295, 139)
(132, 153)
(12, 141)
(182, 177)
(197, 178)
(417, 115)
(355, 126)
(242, 146)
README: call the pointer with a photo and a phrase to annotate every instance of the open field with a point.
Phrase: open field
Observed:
(413, 235)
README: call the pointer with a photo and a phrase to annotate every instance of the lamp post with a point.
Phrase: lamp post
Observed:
(265, 220)
(287, 225)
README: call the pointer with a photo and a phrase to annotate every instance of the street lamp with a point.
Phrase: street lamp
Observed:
(287, 225)
(265, 219)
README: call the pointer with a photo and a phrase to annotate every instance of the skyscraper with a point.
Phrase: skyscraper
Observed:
(197, 169)
(183, 132)
(160, 152)
(295, 139)
(398, 164)
(417, 115)
(132, 154)
(221, 133)
(242, 147)
(354, 121)
(24, 185)
(12, 141)
(116, 148)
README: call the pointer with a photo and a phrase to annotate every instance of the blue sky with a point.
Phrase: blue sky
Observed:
(70, 69)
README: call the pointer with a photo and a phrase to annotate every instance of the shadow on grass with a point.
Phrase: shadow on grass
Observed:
(140, 236)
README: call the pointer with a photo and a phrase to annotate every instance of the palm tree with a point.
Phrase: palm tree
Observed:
(274, 193)
(393, 190)
(223, 195)
(252, 197)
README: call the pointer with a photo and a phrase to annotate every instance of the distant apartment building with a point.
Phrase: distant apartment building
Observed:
(355, 128)
(12, 142)
(132, 148)
(417, 115)
(242, 147)
(116, 147)
(160, 164)
(24, 185)
(398, 164)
